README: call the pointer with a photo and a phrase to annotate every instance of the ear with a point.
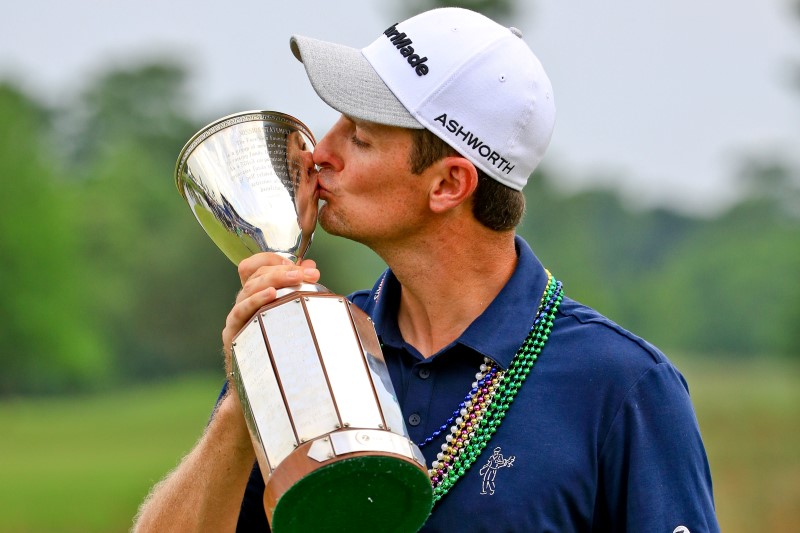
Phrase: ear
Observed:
(454, 183)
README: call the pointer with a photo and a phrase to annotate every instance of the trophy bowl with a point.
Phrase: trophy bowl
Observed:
(247, 178)
(323, 417)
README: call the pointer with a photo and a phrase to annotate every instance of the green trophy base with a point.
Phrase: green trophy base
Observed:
(364, 493)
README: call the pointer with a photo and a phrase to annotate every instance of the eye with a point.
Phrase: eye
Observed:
(358, 142)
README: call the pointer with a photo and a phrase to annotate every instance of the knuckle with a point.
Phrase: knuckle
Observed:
(268, 276)
(246, 265)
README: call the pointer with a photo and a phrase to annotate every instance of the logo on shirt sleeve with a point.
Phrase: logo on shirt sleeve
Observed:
(489, 470)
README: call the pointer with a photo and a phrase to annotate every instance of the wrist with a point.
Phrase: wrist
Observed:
(229, 418)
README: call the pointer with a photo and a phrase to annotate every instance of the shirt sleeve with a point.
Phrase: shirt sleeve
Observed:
(252, 517)
(654, 473)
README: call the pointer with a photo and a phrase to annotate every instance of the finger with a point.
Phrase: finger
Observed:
(286, 265)
(241, 313)
(250, 265)
(311, 273)
(244, 310)
(278, 277)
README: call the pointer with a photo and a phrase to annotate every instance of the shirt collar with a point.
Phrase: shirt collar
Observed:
(499, 331)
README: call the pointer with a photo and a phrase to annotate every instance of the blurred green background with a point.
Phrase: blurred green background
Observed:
(112, 301)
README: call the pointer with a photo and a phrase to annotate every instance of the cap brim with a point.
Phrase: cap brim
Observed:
(345, 80)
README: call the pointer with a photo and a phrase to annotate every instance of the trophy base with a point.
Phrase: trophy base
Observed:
(326, 427)
(357, 492)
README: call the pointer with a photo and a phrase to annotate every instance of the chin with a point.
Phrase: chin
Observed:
(330, 223)
(339, 227)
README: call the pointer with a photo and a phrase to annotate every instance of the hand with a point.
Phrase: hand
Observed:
(261, 275)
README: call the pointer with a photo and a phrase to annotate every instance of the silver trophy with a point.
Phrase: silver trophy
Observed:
(323, 417)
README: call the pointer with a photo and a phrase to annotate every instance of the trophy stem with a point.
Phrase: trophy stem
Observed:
(290, 256)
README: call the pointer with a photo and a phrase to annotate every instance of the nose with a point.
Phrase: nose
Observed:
(326, 151)
(307, 158)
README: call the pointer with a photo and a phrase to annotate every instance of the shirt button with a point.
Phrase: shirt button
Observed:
(414, 419)
(424, 373)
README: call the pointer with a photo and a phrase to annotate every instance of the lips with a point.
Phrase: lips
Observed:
(323, 175)
(322, 192)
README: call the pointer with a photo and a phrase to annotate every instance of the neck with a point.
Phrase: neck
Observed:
(448, 282)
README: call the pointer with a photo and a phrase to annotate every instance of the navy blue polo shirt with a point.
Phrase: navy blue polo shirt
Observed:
(602, 434)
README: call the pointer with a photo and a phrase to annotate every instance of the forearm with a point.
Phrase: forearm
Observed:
(205, 491)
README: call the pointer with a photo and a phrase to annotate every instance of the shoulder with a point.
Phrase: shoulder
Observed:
(647, 439)
(590, 360)
(597, 342)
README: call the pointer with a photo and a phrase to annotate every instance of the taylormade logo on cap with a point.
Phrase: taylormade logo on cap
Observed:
(403, 44)
(482, 91)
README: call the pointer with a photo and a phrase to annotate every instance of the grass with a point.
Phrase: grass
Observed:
(749, 415)
(85, 464)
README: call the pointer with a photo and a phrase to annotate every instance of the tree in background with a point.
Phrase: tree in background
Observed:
(47, 340)
(161, 289)
(104, 276)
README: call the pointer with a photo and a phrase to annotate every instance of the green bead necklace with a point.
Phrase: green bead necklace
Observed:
(491, 396)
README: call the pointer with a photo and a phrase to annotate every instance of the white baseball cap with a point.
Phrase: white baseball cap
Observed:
(470, 81)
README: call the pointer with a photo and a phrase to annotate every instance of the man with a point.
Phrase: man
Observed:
(489, 470)
(444, 117)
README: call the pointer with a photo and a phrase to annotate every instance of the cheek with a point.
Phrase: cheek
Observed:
(382, 179)
(368, 181)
